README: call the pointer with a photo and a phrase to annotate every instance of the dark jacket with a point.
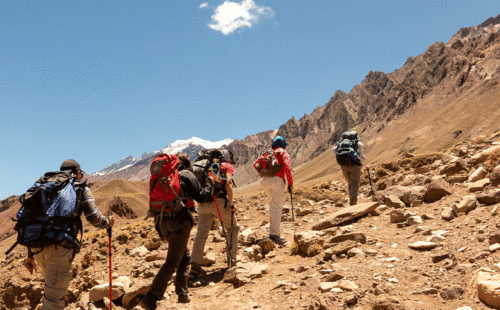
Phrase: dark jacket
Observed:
(191, 188)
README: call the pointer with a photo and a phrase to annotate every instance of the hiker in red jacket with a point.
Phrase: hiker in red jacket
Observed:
(274, 187)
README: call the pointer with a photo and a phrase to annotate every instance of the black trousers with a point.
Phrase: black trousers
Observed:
(177, 231)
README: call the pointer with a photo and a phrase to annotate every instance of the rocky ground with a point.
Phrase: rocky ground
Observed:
(427, 239)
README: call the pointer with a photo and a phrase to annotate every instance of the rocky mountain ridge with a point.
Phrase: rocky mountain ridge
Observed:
(468, 61)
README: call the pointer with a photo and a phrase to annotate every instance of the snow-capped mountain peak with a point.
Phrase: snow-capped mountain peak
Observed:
(180, 145)
(191, 147)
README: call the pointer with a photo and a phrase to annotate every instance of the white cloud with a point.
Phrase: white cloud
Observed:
(231, 16)
(203, 5)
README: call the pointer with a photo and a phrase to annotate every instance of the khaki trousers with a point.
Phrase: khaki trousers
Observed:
(55, 262)
(274, 187)
(352, 174)
(207, 213)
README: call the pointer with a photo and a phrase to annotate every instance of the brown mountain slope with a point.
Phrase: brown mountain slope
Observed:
(450, 87)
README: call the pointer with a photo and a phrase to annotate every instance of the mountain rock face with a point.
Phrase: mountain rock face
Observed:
(470, 60)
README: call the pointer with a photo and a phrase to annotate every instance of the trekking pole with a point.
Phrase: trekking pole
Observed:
(110, 275)
(294, 249)
(372, 193)
(224, 231)
(231, 242)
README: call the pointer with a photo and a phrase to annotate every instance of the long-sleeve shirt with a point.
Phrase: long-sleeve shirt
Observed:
(360, 149)
(285, 168)
(86, 205)
(192, 189)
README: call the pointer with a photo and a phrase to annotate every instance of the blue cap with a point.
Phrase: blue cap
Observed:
(279, 141)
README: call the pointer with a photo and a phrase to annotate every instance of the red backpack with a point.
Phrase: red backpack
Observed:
(164, 185)
(269, 163)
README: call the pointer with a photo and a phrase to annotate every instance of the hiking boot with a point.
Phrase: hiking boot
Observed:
(148, 302)
(276, 239)
(196, 269)
(183, 299)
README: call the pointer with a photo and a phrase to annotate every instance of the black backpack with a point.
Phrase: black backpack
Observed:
(348, 150)
(48, 215)
(209, 162)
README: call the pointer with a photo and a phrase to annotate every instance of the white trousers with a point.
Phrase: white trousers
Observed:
(274, 187)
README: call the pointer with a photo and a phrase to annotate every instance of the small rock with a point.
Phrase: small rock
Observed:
(453, 292)
(423, 245)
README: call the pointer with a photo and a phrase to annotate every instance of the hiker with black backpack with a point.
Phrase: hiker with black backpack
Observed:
(350, 155)
(49, 222)
(221, 206)
(171, 186)
(273, 166)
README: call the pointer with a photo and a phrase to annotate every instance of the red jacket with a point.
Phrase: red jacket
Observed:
(284, 159)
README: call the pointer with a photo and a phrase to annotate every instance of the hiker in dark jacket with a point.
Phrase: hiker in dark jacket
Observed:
(176, 231)
(352, 171)
(55, 261)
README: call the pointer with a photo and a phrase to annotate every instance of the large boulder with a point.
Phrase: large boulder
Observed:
(453, 167)
(477, 175)
(436, 190)
(488, 287)
(415, 193)
(398, 216)
(479, 185)
(467, 204)
(98, 292)
(343, 247)
(308, 238)
(489, 197)
(449, 213)
(396, 190)
(393, 201)
(495, 176)
(139, 289)
(346, 214)
(484, 155)
(244, 273)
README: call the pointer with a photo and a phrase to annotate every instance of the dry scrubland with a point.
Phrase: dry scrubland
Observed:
(427, 239)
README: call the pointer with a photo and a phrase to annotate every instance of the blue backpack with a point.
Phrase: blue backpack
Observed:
(48, 215)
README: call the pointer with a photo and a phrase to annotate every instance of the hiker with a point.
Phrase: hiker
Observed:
(174, 227)
(350, 156)
(53, 256)
(207, 213)
(273, 183)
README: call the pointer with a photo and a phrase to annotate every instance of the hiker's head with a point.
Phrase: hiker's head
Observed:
(228, 156)
(279, 141)
(184, 158)
(73, 168)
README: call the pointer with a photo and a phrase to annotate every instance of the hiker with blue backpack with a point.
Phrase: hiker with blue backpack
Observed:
(273, 166)
(49, 222)
(350, 155)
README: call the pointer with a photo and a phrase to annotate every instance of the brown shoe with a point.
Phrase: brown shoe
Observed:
(196, 269)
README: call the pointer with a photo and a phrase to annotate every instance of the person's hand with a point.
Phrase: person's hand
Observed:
(368, 167)
(30, 264)
(111, 221)
(290, 188)
(233, 209)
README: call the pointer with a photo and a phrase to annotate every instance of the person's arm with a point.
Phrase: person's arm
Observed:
(229, 191)
(192, 189)
(288, 171)
(91, 212)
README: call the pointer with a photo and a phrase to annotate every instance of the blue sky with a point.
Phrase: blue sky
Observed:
(97, 81)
